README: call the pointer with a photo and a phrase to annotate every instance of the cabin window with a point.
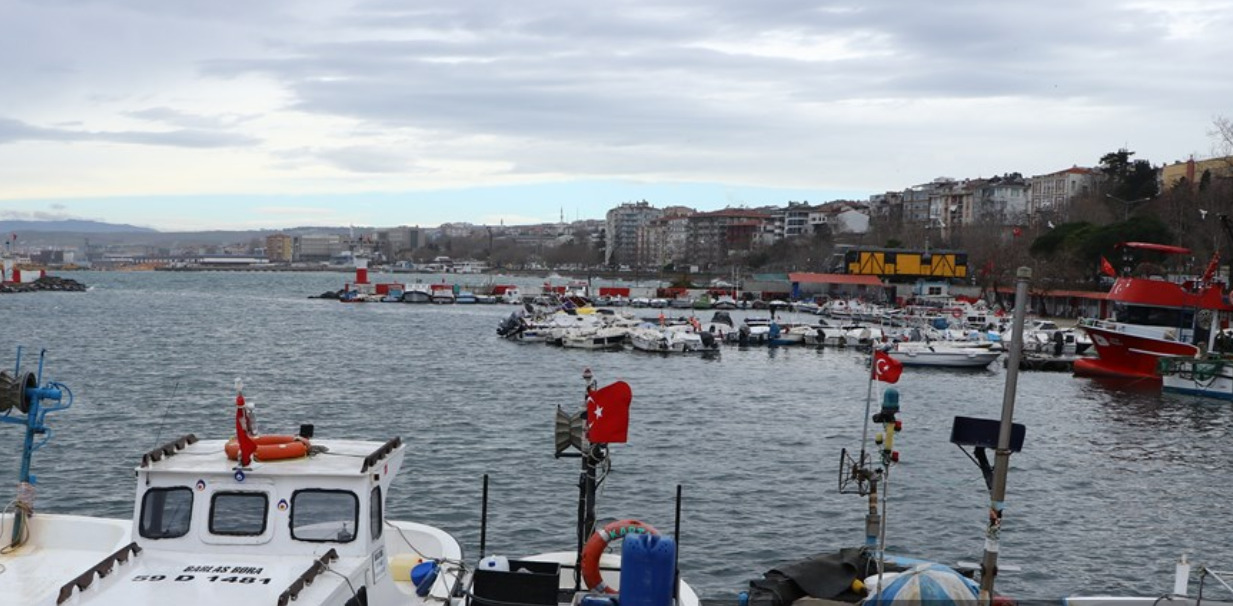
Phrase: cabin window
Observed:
(1154, 316)
(241, 514)
(166, 512)
(324, 515)
(376, 521)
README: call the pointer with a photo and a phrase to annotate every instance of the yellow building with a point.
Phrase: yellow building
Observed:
(278, 248)
(1192, 171)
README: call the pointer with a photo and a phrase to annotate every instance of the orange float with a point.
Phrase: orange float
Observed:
(599, 541)
(271, 448)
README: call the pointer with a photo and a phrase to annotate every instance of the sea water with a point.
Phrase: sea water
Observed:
(1110, 489)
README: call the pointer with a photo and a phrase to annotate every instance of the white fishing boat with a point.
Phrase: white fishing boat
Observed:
(1179, 596)
(291, 525)
(942, 354)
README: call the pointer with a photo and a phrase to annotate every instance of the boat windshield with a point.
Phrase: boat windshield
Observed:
(1146, 315)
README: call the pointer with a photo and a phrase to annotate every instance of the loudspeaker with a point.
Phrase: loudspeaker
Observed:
(568, 430)
(13, 391)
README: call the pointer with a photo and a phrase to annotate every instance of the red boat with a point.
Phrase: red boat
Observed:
(1152, 317)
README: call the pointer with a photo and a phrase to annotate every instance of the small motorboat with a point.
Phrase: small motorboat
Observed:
(942, 354)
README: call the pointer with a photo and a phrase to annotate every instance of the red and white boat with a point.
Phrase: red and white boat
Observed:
(1152, 317)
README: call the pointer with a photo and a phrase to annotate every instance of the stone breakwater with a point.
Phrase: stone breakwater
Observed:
(46, 283)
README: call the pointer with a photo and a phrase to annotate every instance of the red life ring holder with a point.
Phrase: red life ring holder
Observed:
(957, 313)
(599, 541)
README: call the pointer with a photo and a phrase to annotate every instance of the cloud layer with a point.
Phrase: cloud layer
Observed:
(387, 95)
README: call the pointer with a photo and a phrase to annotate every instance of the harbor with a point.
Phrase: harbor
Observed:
(750, 434)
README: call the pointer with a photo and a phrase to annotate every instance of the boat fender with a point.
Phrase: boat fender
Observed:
(599, 541)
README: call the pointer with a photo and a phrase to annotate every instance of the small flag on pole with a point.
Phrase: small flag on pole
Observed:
(1106, 268)
(608, 413)
(886, 368)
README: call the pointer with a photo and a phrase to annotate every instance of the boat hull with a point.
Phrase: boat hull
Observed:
(1124, 355)
(1212, 378)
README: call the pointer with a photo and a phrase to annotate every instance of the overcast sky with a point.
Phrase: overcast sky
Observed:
(196, 114)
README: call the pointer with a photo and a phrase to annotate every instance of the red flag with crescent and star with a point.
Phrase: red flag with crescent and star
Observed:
(608, 413)
(886, 368)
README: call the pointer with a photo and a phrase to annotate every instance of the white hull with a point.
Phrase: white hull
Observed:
(944, 356)
(1205, 378)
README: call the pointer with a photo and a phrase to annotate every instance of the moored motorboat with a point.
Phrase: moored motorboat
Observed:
(942, 354)
(209, 530)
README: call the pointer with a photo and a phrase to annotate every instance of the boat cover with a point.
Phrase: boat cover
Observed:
(826, 576)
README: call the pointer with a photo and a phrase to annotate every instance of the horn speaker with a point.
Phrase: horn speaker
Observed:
(568, 430)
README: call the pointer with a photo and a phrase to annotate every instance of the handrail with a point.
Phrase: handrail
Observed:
(167, 449)
(370, 461)
(318, 566)
(102, 569)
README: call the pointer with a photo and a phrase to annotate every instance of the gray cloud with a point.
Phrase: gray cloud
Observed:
(12, 131)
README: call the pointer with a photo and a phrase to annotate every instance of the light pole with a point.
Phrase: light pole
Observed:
(1127, 204)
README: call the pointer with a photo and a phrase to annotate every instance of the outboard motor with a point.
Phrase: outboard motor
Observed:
(708, 340)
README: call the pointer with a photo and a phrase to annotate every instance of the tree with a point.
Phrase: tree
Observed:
(1127, 179)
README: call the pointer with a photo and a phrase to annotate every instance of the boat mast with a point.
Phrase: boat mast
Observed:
(997, 494)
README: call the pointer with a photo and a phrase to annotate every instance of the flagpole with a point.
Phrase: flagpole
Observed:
(1001, 465)
(873, 370)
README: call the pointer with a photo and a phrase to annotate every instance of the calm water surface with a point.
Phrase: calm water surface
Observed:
(1110, 489)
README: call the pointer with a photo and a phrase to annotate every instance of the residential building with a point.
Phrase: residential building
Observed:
(623, 223)
(715, 236)
(664, 240)
(1049, 196)
(279, 248)
(1001, 200)
(789, 221)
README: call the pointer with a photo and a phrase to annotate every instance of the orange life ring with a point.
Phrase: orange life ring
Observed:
(599, 541)
(271, 448)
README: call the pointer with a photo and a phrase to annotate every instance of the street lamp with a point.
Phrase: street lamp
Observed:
(1127, 204)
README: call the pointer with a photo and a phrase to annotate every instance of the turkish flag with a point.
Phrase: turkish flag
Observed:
(608, 413)
(1106, 268)
(886, 368)
(247, 445)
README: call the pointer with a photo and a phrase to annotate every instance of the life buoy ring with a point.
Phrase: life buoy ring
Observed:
(599, 541)
(957, 314)
(271, 448)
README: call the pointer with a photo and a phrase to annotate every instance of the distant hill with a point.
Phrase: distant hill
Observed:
(75, 226)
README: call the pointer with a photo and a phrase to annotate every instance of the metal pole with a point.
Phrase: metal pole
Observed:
(997, 496)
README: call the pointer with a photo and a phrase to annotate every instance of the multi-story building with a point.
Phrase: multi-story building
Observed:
(715, 236)
(317, 247)
(1050, 195)
(789, 221)
(1195, 171)
(397, 242)
(279, 248)
(621, 237)
(662, 241)
(1001, 200)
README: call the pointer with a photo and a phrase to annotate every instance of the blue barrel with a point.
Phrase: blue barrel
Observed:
(648, 570)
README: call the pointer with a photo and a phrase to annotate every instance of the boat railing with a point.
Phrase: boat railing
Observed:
(318, 566)
(100, 570)
(1150, 332)
(371, 460)
(167, 449)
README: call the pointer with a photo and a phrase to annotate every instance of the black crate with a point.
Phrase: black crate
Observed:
(525, 583)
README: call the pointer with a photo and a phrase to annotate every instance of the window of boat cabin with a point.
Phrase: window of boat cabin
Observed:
(239, 514)
(1154, 316)
(324, 516)
(166, 512)
(376, 522)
